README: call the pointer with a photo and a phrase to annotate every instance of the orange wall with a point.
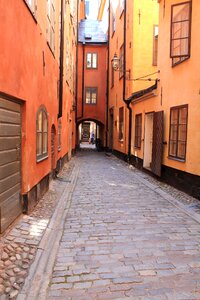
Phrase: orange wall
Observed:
(23, 42)
(93, 78)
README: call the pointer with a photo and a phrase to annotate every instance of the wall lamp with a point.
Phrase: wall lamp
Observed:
(116, 66)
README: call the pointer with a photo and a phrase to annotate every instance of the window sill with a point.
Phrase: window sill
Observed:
(176, 159)
(39, 159)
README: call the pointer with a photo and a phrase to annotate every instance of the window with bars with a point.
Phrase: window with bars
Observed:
(178, 132)
(180, 32)
(51, 24)
(41, 134)
(91, 95)
(91, 61)
(32, 4)
(155, 45)
(121, 124)
(138, 130)
(121, 62)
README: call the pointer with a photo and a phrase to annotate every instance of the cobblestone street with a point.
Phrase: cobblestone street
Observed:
(116, 233)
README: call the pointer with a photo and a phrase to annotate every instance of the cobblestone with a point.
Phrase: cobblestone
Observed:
(122, 238)
(18, 245)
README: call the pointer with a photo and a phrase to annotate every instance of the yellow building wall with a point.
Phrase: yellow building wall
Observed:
(142, 15)
(178, 85)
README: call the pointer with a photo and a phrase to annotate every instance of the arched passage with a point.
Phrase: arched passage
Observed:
(91, 132)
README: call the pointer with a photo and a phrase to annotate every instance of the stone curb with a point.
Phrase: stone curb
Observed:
(36, 284)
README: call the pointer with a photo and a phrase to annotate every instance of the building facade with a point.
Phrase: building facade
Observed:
(37, 98)
(154, 121)
(92, 80)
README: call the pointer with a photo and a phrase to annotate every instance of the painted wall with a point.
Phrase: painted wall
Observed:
(30, 71)
(92, 78)
(141, 17)
(180, 86)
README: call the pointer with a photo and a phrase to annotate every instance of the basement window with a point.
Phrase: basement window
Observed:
(121, 124)
(180, 32)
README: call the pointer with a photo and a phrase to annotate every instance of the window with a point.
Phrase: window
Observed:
(91, 61)
(42, 133)
(121, 62)
(32, 4)
(91, 95)
(121, 123)
(138, 130)
(178, 132)
(113, 23)
(121, 6)
(51, 24)
(59, 134)
(180, 32)
(155, 45)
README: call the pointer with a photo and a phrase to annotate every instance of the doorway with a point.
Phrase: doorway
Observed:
(148, 141)
(53, 161)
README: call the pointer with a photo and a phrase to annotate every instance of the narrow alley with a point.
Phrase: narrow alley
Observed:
(114, 235)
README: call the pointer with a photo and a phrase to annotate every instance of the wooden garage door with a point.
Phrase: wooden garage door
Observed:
(10, 169)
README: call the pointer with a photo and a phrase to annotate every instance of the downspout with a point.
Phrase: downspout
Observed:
(83, 80)
(76, 96)
(61, 61)
(77, 31)
(108, 76)
(124, 86)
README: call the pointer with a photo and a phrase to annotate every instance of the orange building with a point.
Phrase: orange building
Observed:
(37, 97)
(92, 78)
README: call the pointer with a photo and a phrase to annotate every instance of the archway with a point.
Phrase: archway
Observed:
(91, 134)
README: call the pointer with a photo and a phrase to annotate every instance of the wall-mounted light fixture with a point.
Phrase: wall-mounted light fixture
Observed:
(116, 66)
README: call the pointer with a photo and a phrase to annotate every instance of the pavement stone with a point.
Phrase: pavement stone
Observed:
(124, 236)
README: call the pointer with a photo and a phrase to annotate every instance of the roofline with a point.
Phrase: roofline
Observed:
(141, 93)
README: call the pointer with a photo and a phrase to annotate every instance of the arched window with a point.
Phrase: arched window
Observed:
(42, 134)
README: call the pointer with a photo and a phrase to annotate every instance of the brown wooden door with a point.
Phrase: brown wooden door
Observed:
(157, 148)
(10, 162)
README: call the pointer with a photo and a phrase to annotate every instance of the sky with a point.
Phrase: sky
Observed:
(93, 9)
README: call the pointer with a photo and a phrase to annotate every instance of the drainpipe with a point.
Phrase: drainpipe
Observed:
(83, 80)
(61, 61)
(76, 95)
(129, 130)
(108, 73)
(124, 86)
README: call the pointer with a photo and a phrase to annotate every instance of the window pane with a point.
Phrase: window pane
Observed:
(172, 150)
(45, 140)
(44, 122)
(173, 132)
(94, 97)
(89, 60)
(182, 133)
(39, 143)
(87, 98)
(174, 116)
(181, 150)
(39, 121)
(183, 115)
(94, 61)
